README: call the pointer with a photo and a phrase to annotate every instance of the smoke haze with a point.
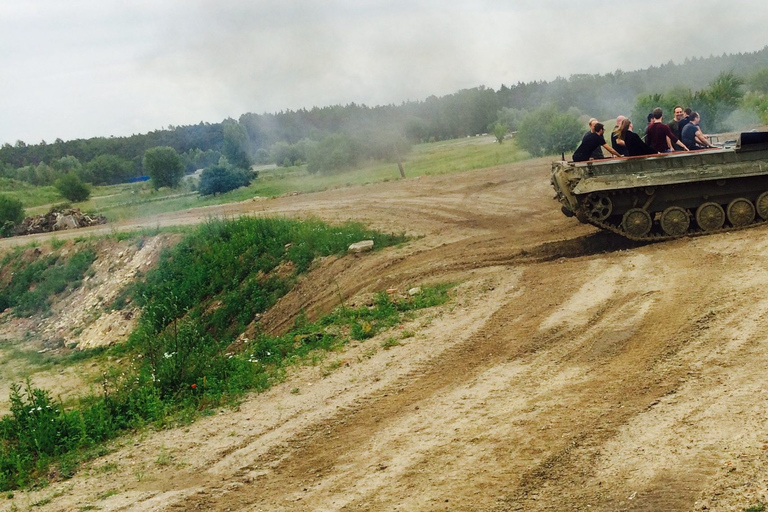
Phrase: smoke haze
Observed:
(85, 68)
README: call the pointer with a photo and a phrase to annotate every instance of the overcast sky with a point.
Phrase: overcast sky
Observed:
(85, 68)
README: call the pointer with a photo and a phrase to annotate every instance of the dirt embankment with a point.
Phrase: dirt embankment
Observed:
(572, 371)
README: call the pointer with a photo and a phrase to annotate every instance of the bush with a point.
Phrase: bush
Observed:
(199, 299)
(287, 155)
(223, 178)
(11, 213)
(333, 153)
(72, 189)
(547, 131)
(262, 156)
(108, 170)
(34, 283)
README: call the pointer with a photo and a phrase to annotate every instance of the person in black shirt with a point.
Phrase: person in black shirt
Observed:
(615, 144)
(684, 121)
(632, 141)
(590, 143)
(597, 154)
(674, 123)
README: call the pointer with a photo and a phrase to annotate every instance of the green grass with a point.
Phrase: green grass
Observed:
(425, 159)
(180, 361)
(30, 195)
(14, 352)
(31, 279)
(136, 200)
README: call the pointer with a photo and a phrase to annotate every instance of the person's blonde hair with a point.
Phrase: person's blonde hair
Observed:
(621, 130)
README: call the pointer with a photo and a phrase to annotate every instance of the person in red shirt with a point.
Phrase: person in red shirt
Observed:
(659, 136)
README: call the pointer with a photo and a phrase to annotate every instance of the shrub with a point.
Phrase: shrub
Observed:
(546, 130)
(34, 283)
(333, 153)
(11, 213)
(108, 170)
(72, 189)
(202, 295)
(286, 155)
(223, 178)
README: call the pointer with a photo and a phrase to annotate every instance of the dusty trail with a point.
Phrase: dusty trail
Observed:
(572, 371)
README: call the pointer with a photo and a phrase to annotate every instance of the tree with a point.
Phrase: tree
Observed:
(72, 189)
(333, 153)
(262, 156)
(718, 101)
(500, 130)
(645, 105)
(235, 144)
(218, 179)
(108, 170)
(510, 117)
(164, 167)
(11, 213)
(758, 81)
(546, 131)
(287, 155)
(726, 90)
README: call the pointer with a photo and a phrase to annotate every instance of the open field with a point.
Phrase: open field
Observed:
(571, 371)
(132, 200)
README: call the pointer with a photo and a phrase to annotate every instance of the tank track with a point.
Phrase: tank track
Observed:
(660, 237)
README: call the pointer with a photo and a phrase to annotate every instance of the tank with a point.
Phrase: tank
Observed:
(670, 195)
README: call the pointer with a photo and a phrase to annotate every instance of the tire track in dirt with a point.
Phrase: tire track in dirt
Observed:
(605, 376)
(318, 451)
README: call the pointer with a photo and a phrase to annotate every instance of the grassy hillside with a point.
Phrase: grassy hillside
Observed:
(188, 353)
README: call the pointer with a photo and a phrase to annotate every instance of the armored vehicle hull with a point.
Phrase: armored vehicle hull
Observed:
(670, 195)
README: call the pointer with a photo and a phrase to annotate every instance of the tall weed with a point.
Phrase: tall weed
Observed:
(35, 280)
(200, 298)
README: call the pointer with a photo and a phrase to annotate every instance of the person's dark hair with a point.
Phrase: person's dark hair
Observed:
(650, 116)
(598, 127)
(677, 107)
(688, 111)
(657, 113)
(693, 116)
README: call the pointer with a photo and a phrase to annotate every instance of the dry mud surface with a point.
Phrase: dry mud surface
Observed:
(571, 371)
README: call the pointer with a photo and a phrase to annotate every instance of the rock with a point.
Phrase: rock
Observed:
(56, 220)
(365, 245)
(414, 291)
(65, 222)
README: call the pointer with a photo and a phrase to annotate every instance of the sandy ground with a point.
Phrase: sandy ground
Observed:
(571, 371)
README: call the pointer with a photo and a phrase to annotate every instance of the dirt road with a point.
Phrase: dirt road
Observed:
(571, 371)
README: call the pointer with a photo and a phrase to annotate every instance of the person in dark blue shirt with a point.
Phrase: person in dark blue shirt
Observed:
(692, 136)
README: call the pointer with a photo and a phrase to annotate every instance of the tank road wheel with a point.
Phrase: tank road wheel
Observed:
(637, 222)
(675, 221)
(741, 212)
(762, 205)
(710, 216)
(598, 206)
